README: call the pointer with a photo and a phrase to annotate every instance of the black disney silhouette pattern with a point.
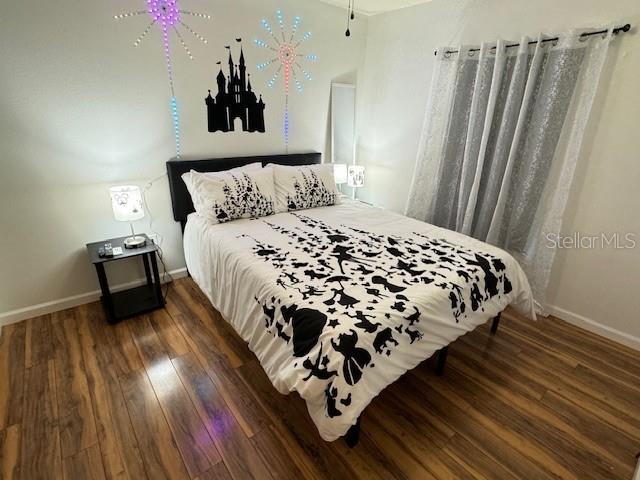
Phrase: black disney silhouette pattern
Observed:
(309, 192)
(242, 199)
(347, 296)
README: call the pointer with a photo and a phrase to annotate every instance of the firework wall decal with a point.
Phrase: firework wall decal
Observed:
(168, 17)
(286, 59)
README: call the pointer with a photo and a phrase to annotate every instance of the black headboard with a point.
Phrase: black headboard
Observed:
(180, 198)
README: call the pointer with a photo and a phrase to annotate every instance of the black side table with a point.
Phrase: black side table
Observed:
(127, 303)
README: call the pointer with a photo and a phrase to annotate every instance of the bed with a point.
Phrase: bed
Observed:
(338, 302)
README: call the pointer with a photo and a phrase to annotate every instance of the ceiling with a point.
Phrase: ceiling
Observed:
(373, 7)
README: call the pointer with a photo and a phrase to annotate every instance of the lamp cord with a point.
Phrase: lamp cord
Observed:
(146, 188)
(165, 272)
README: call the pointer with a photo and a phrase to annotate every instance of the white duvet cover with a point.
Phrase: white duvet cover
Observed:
(338, 302)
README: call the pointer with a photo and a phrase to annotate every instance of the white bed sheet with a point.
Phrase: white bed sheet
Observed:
(242, 283)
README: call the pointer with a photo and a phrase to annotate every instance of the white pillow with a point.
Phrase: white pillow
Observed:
(239, 193)
(304, 186)
(245, 168)
(189, 178)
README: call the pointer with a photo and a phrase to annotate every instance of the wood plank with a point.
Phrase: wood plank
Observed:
(38, 347)
(618, 444)
(12, 358)
(161, 457)
(595, 401)
(502, 371)
(239, 454)
(485, 341)
(572, 381)
(617, 392)
(213, 320)
(626, 422)
(312, 455)
(76, 419)
(40, 455)
(171, 337)
(412, 436)
(548, 429)
(217, 472)
(118, 445)
(234, 348)
(537, 400)
(559, 377)
(486, 434)
(419, 413)
(478, 463)
(236, 394)
(366, 459)
(10, 452)
(603, 346)
(394, 447)
(527, 348)
(189, 431)
(86, 464)
(508, 424)
(115, 340)
(128, 356)
(274, 455)
(582, 353)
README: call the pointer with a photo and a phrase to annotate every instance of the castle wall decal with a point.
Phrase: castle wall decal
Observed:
(235, 100)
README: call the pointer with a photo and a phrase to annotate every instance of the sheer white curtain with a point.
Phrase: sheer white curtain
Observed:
(501, 139)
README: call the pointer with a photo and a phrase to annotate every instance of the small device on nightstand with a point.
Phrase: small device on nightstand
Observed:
(108, 251)
(127, 303)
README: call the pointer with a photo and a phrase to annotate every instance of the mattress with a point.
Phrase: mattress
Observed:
(338, 302)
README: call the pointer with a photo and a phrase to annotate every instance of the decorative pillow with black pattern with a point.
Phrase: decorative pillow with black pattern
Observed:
(305, 186)
(224, 196)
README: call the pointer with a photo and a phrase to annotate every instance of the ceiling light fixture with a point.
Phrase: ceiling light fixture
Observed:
(351, 16)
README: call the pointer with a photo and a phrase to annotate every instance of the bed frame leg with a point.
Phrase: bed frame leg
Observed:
(441, 360)
(353, 434)
(495, 324)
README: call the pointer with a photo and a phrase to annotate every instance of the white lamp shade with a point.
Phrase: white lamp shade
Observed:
(126, 202)
(355, 176)
(340, 173)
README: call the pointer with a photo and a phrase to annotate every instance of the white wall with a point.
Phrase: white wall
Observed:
(82, 109)
(598, 286)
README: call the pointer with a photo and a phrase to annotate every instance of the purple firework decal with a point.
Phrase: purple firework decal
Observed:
(167, 15)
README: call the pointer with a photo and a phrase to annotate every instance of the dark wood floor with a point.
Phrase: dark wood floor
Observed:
(177, 394)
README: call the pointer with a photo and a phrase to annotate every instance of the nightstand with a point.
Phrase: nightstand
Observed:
(127, 303)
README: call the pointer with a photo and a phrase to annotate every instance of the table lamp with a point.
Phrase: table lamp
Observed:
(355, 177)
(126, 202)
(340, 173)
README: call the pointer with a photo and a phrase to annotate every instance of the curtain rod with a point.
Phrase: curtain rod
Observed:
(624, 28)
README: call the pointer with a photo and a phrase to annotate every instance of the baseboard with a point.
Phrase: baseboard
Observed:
(20, 314)
(595, 327)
